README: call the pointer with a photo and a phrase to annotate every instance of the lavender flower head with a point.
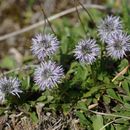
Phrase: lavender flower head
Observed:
(48, 75)
(9, 86)
(86, 51)
(117, 45)
(109, 25)
(44, 46)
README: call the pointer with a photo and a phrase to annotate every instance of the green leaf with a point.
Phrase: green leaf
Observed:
(82, 106)
(66, 108)
(106, 99)
(50, 98)
(25, 81)
(33, 117)
(98, 122)
(126, 15)
(126, 87)
(126, 105)
(7, 62)
(113, 95)
(82, 118)
(91, 91)
(42, 98)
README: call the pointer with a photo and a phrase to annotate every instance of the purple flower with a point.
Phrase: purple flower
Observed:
(48, 75)
(117, 45)
(9, 86)
(109, 25)
(43, 46)
(86, 51)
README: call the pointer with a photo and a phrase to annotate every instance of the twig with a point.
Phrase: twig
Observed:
(106, 114)
(18, 69)
(110, 123)
(63, 13)
(79, 16)
(57, 125)
(87, 12)
(44, 13)
(92, 106)
(121, 73)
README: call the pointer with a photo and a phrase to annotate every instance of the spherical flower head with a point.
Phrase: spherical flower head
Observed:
(48, 75)
(9, 86)
(109, 25)
(86, 51)
(117, 45)
(44, 45)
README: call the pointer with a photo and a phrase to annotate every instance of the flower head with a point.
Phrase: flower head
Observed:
(109, 25)
(117, 45)
(86, 51)
(44, 46)
(9, 86)
(48, 75)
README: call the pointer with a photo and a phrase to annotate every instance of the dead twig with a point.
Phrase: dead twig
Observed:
(41, 23)
(18, 69)
(121, 73)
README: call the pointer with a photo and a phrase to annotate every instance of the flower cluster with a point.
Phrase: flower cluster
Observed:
(108, 26)
(9, 86)
(47, 74)
(117, 41)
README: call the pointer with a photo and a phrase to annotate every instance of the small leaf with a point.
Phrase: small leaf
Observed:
(42, 98)
(98, 122)
(33, 117)
(82, 106)
(66, 108)
(91, 91)
(113, 94)
(126, 87)
(82, 118)
(7, 62)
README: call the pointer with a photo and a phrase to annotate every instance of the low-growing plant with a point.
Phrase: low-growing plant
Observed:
(74, 76)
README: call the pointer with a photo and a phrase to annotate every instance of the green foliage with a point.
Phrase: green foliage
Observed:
(8, 63)
(126, 18)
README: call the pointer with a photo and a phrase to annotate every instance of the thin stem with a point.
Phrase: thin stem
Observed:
(110, 123)
(46, 17)
(44, 25)
(18, 69)
(106, 114)
(121, 73)
(87, 12)
(101, 56)
(79, 16)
